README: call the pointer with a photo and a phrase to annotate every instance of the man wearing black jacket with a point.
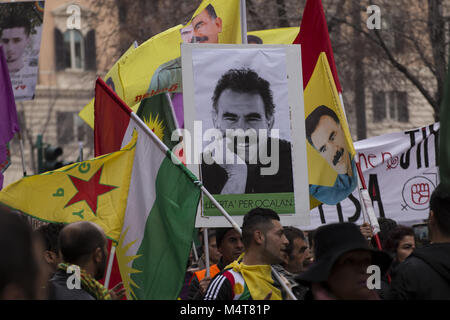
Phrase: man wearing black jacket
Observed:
(425, 274)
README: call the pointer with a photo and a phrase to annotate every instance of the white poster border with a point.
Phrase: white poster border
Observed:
(301, 216)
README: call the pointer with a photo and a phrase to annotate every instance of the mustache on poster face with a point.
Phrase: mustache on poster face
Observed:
(338, 156)
(199, 39)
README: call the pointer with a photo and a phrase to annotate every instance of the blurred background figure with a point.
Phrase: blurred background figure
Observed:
(22, 274)
(50, 254)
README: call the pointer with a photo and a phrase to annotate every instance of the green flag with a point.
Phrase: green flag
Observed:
(158, 225)
(444, 137)
(157, 113)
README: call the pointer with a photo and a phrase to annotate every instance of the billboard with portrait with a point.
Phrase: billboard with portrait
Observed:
(244, 124)
(20, 38)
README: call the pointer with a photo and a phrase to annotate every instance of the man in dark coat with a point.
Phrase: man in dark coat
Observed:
(425, 274)
(83, 247)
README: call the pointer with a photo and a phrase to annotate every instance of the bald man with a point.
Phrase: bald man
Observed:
(83, 248)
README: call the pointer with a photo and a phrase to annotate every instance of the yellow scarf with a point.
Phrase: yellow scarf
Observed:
(258, 279)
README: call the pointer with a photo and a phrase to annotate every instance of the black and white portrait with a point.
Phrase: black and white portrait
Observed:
(242, 103)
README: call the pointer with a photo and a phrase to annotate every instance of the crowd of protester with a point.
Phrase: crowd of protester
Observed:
(263, 261)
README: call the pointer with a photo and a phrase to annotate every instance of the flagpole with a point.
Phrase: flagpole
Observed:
(206, 242)
(366, 206)
(110, 263)
(22, 154)
(244, 22)
(174, 116)
(164, 149)
(195, 251)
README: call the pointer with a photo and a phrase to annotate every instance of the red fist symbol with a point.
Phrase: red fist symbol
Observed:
(420, 193)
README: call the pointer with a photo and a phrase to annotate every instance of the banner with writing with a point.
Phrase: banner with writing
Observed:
(401, 172)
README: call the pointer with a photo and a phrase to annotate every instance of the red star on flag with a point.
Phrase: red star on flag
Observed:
(89, 191)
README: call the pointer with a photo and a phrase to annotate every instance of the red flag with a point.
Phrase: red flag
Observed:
(109, 129)
(109, 125)
(314, 39)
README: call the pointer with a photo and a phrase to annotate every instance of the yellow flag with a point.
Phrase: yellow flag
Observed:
(162, 52)
(112, 78)
(330, 147)
(94, 190)
(273, 36)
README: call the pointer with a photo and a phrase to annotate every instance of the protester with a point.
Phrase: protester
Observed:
(50, 233)
(339, 271)
(366, 231)
(400, 243)
(214, 254)
(251, 278)
(83, 247)
(425, 274)
(386, 227)
(21, 273)
(294, 260)
(229, 244)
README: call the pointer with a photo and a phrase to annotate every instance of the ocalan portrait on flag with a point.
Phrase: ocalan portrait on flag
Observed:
(241, 122)
(20, 37)
(330, 148)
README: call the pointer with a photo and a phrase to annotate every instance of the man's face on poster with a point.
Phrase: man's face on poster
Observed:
(236, 110)
(206, 29)
(328, 138)
(14, 42)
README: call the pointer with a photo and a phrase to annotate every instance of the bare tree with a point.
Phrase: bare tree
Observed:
(411, 42)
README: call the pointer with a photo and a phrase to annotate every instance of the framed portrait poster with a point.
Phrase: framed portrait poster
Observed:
(244, 131)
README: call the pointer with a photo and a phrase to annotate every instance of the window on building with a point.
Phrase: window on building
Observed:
(379, 106)
(75, 52)
(391, 105)
(392, 32)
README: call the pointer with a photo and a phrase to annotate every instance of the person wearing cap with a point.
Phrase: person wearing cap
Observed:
(425, 273)
(229, 244)
(342, 257)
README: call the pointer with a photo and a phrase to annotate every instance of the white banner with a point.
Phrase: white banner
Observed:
(401, 172)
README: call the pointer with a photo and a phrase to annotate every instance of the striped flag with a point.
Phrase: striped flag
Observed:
(158, 227)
